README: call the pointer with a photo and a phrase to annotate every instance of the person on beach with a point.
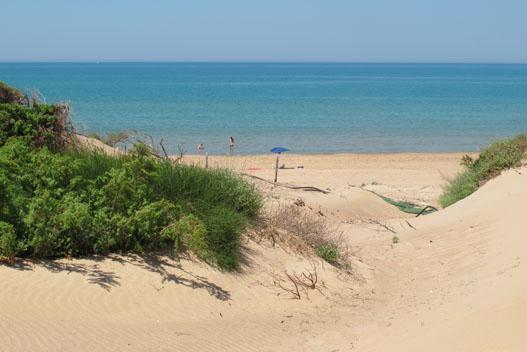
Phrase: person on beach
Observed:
(231, 145)
(201, 148)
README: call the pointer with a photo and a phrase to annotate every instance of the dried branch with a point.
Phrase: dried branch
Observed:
(295, 284)
(302, 188)
(295, 291)
(163, 148)
(312, 279)
(181, 151)
(300, 282)
(371, 221)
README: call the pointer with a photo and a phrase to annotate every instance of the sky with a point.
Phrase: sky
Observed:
(491, 31)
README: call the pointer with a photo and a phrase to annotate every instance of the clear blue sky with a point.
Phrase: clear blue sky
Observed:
(266, 30)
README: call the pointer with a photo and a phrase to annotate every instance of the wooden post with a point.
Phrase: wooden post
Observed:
(206, 160)
(276, 169)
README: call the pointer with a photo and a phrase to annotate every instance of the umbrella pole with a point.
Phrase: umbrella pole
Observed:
(276, 169)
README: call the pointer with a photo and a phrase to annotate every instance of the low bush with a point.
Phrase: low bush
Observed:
(328, 251)
(313, 230)
(39, 125)
(491, 162)
(58, 201)
(8, 241)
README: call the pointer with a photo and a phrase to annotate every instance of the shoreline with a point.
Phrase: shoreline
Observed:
(414, 177)
(328, 161)
(332, 154)
(395, 156)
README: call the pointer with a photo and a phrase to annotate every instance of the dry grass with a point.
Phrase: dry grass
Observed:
(303, 232)
(312, 229)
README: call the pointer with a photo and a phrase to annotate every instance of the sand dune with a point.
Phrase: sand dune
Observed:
(95, 144)
(124, 303)
(455, 282)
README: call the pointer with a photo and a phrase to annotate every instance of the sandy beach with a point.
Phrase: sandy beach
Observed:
(416, 177)
(273, 176)
(454, 282)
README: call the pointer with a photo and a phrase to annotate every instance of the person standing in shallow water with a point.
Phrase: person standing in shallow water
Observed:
(232, 144)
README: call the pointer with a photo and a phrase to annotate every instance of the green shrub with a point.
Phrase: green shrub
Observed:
(189, 232)
(203, 189)
(8, 241)
(496, 158)
(40, 124)
(460, 187)
(224, 226)
(329, 252)
(57, 201)
(500, 156)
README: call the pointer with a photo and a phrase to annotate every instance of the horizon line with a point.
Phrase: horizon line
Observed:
(120, 61)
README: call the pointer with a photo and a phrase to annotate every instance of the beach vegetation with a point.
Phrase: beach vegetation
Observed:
(313, 231)
(499, 156)
(58, 199)
(328, 251)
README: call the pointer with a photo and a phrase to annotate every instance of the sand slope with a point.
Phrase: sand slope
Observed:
(95, 144)
(458, 282)
(125, 303)
(455, 282)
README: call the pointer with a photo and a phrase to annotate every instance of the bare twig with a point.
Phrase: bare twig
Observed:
(382, 225)
(311, 277)
(295, 284)
(151, 142)
(303, 188)
(295, 291)
(163, 148)
(181, 150)
(300, 282)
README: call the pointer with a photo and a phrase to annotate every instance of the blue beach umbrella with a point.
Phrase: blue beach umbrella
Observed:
(278, 151)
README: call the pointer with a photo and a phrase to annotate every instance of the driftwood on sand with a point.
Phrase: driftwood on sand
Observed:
(302, 188)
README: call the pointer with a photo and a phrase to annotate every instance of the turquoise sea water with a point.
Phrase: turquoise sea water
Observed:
(305, 107)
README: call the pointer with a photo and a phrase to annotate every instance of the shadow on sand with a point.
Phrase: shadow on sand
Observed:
(107, 280)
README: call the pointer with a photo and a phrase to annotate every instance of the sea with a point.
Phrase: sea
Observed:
(304, 107)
